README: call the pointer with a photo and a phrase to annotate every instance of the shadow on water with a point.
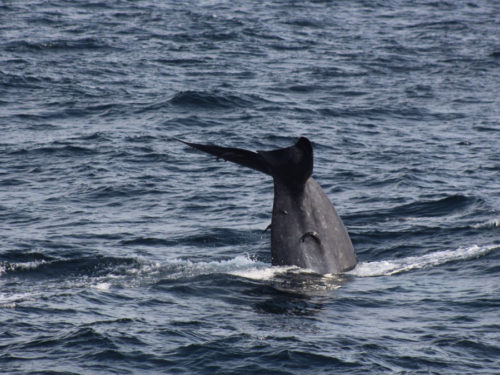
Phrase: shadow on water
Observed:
(295, 293)
(268, 290)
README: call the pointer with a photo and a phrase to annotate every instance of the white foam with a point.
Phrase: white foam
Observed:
(6, 298)
(11, 300)
(101, 286)
(244, 266)
(493, 223)
(6, 267)
(391, 267)
(261, 273)
(186, 268)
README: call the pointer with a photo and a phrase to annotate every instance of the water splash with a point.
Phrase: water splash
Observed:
(395, 266)
(493, 223)
(263, 273)
(246, 267)
(6, 267)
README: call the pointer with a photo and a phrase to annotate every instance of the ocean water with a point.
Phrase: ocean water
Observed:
(124, 252)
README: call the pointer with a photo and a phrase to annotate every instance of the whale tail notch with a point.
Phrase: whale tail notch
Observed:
(292, 165)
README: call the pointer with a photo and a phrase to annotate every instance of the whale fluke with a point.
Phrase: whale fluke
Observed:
(306, 230)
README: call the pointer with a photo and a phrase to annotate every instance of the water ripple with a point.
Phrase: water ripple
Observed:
(121, 252)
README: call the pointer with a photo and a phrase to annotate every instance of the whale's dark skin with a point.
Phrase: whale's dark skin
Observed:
(306, 231)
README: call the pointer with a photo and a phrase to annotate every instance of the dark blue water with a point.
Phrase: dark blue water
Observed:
(122, 251)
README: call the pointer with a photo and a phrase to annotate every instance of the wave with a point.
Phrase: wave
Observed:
(103, 273)
(212, 99)
(433, 208)
(266, 272)
(246, 267)
(186, 269)
(493, 223)
(442, 207)
(63, 45)
(51, 268)
(396, 266)
(7, 267)
(10, 300)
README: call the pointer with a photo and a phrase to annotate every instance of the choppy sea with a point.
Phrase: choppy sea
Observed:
(124, 252)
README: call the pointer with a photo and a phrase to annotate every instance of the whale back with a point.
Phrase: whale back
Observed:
(307, 232)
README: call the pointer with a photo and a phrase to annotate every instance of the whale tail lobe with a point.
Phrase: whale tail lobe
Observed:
(293, 165)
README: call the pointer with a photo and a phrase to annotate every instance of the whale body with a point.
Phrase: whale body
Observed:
(306, 230)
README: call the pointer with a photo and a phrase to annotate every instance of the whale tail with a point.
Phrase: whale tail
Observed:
(292, 165)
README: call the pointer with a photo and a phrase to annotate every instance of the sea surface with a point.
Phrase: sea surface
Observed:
(122, 251)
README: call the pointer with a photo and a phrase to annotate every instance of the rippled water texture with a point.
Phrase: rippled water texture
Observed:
(122, 251)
